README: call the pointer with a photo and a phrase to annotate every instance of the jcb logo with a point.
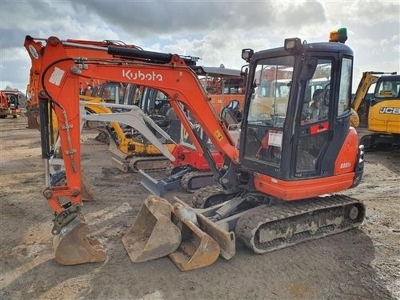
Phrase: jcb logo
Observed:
(141, 76)
(390, 110)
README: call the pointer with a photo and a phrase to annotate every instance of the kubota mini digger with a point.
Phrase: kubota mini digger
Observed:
(272, 184)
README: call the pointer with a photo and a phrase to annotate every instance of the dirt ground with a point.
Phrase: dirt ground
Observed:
(363, 263)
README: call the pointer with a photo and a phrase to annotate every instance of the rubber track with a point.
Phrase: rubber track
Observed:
(202, 194)
(150, 163)
(291, 214)
(188, 177)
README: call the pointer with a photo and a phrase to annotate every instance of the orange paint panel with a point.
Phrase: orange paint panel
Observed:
(302, 189)
(347, 158)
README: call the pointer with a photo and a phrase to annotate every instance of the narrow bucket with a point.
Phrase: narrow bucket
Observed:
(152, 235)
(197, 249)
(73, 247)
(86, 189)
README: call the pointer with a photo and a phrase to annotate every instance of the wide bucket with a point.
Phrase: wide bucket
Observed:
(152, 235)
(197, 249)
(73, 247)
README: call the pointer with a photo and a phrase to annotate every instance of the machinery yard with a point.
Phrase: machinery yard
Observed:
(362, 263)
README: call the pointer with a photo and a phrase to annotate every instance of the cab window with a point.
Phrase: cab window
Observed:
(345, 87)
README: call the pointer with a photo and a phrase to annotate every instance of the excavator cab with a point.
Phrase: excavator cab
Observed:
(278, 140)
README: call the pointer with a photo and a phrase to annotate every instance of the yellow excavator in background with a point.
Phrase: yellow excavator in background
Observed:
(376, 113)
(130, 150)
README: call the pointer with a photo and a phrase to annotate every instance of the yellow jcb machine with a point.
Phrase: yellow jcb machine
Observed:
(376, 114)
(130, 150)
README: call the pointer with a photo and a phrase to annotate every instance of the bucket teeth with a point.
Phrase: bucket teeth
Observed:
(153, 234)
(72, 246)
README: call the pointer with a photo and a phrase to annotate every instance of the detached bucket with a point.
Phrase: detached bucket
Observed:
(33, 122)
(153, 235)
(86, 189)
(197, 248)
(73, 247)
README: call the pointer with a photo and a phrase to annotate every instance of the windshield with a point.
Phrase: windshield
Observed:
(267, 110)
(388, 88)
(270, 96)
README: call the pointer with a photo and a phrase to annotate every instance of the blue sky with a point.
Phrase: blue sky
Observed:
(215, 31)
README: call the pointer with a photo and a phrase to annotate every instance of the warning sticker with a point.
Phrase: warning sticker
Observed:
(56, 76)
(218, 135)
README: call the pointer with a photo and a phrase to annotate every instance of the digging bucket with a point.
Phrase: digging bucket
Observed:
(87, 189)
(73, 247)
(197, 249)
(152, 235)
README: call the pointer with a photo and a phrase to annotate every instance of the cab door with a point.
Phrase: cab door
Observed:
(324, 119)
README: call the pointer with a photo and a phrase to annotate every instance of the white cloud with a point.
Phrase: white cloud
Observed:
(216, 31)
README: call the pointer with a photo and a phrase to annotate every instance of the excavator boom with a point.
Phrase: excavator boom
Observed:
(60, 78)
(79, 48)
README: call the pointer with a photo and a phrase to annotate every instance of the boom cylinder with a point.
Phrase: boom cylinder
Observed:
(44, 128)
(140, 54)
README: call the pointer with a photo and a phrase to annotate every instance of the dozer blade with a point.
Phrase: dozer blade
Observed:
(73, 247)
(197, 248)
(152, 235)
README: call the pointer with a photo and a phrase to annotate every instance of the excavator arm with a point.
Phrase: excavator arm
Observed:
(168, 73)
(368, 79)
(61, 72)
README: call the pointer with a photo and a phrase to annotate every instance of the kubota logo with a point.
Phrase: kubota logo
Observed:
(139, 75)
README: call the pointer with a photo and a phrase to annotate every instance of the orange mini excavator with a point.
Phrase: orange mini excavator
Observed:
(280, 183)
